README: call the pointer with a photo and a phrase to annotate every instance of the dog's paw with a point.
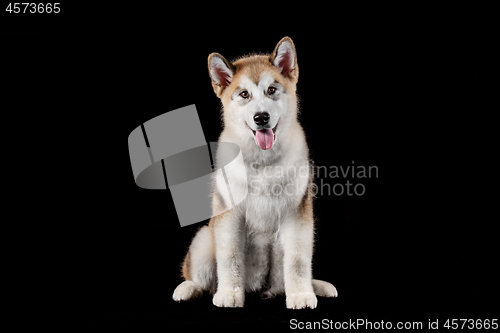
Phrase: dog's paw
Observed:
(229, 298)
(186, 290)
(323, 288)
(269, 294)
(301, 300)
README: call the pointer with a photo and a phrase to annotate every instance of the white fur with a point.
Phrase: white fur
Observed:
(263, 244)
(187, 290)
(258, 102)
(285, 50)
(202, 258)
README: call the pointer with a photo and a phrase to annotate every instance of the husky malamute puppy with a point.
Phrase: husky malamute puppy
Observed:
(265, 243)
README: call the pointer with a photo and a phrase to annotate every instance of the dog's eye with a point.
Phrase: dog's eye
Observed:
(244, 94)
(271, 90)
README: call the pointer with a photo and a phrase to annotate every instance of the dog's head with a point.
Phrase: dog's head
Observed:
(258, 91)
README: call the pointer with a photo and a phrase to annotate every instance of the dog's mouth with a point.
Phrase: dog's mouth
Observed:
(265, 138)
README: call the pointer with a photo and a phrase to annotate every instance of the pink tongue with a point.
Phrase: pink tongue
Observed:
(265, 138)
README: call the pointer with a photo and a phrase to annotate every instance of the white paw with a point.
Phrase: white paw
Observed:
(186, 290)
(229, 298)
(323, 288)
(301, 300)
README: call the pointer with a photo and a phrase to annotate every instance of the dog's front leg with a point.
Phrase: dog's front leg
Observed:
(229, 250)
(297, 240)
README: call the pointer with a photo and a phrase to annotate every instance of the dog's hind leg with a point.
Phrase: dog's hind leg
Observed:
(199, 268)
(323, 288)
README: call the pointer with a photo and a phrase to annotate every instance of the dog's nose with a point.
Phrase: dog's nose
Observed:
(261, 118)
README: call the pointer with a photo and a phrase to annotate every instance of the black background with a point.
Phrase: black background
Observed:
(405, 93)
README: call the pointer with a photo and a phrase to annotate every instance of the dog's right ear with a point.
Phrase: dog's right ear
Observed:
(221, 72)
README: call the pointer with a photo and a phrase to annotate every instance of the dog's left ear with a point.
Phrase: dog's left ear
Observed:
(284, 57)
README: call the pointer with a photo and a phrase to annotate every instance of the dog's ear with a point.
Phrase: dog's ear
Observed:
(221, 72)
(284, 57)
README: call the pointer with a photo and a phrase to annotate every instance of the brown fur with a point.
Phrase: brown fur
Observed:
(294, 75)
(218, 204)
(186, 266)
(306, 207)
(253, 66)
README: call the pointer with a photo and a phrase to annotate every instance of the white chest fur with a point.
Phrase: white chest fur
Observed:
(273, 191)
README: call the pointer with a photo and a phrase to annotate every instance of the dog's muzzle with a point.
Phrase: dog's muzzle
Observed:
(266, 137)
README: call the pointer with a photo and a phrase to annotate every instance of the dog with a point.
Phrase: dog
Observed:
(265, 243)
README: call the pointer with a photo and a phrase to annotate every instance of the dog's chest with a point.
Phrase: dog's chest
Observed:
(274, 193)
